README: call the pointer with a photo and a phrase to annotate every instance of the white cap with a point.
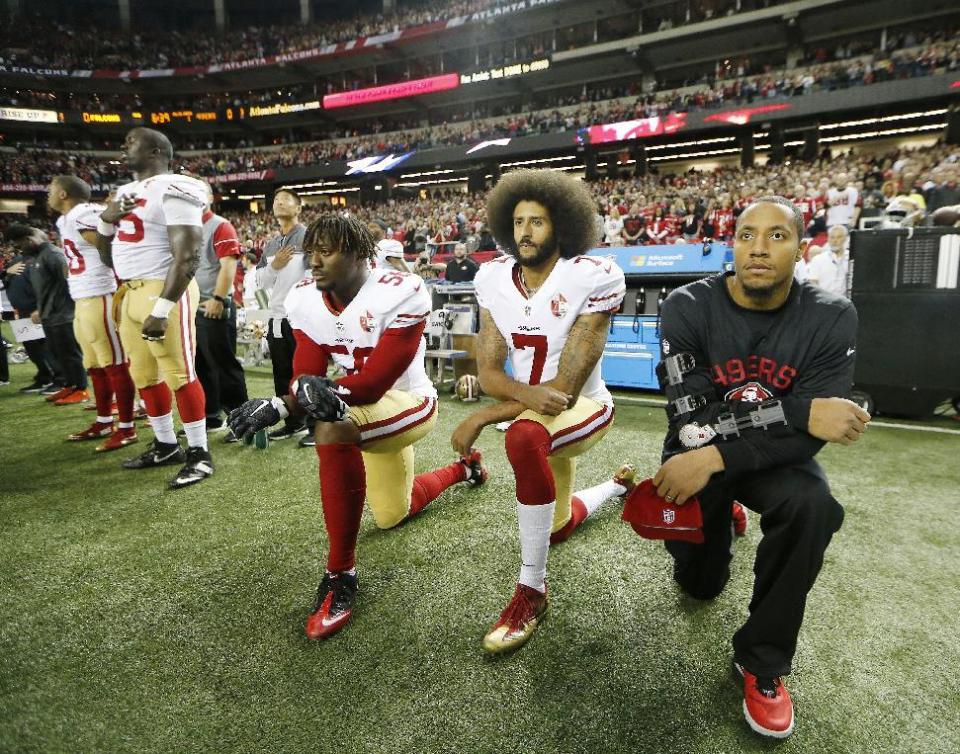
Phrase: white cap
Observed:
(390, 248)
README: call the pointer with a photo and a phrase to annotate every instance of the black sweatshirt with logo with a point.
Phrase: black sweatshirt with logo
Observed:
(803, 350)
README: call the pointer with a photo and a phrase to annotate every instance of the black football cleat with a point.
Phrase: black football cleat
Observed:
(333, 605)
(157, 454)
(198, 467)
(478, 472)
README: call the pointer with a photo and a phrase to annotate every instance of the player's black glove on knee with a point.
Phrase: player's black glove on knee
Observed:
(253, 416)
(317, 396)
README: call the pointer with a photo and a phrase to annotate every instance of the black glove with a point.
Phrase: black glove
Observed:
(251, 417)
(317, 396)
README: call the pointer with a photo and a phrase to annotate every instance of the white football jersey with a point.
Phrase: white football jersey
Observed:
(536, 328)
(842, 204)
(88, 275)
(141, 247)
(387, 301)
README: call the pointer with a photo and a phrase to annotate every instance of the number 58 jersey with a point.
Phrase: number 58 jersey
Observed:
(536, 327)
(388, 300)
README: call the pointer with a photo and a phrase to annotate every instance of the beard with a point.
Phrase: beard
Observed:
(543, 252)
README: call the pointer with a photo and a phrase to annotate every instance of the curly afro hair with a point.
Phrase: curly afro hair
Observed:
(572, 209)
(345, 232)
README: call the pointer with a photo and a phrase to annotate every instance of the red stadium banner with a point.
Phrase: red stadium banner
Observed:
(392, 91)
(636, 129)
(743, 116)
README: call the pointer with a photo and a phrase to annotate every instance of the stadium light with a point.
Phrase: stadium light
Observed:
(885, 119)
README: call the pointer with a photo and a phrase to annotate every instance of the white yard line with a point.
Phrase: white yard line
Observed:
(657, 403)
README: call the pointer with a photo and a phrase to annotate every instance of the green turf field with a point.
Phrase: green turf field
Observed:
(137, 619)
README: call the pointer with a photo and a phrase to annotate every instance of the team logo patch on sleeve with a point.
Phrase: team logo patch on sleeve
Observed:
(752, 392)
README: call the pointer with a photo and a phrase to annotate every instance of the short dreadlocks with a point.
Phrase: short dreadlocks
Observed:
(344, 232)
(572, 209)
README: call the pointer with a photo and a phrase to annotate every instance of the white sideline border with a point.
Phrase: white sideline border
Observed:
(653, 402)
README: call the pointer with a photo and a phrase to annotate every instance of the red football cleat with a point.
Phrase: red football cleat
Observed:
(119, 439)
(333, 605)
(767, 705)
(61, 393)
(626, 477)
(518, 621)
(739, 519)
(74, 397)
(94, 432)
(478, 472)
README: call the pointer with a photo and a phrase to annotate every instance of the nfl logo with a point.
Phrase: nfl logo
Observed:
(367, 322)
(526, 311)
(339, 326)
(669, 516)
(558, 305)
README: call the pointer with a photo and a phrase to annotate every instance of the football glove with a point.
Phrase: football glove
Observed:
(317, 396)
(255, 415)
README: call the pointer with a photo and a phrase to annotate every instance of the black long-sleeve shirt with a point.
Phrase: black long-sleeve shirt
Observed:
(19, 288)
(801, 351)
(49, 279)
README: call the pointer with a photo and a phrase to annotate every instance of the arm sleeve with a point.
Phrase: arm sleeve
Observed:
(87, 220)
(480, 287)
(225, 242)
(391, 357)
(182, 205)
(309, 357)
(266, 275)
(609, 288)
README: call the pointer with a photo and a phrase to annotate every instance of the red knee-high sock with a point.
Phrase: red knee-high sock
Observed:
(191, 402)
(578, 513)
(123, 388)
(427, 487)
(158, 399)
(102, 391)
(528, 445)
(343, 487)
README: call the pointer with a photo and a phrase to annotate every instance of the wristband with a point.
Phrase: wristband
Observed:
(161, 309)
(106, 229)
(221, 299)
(281, 407)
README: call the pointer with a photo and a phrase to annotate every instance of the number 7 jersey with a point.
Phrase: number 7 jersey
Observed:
(536, 328)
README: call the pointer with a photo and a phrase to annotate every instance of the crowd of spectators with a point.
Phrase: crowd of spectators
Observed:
(670, 208)
(936, 54)
(54, 45)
